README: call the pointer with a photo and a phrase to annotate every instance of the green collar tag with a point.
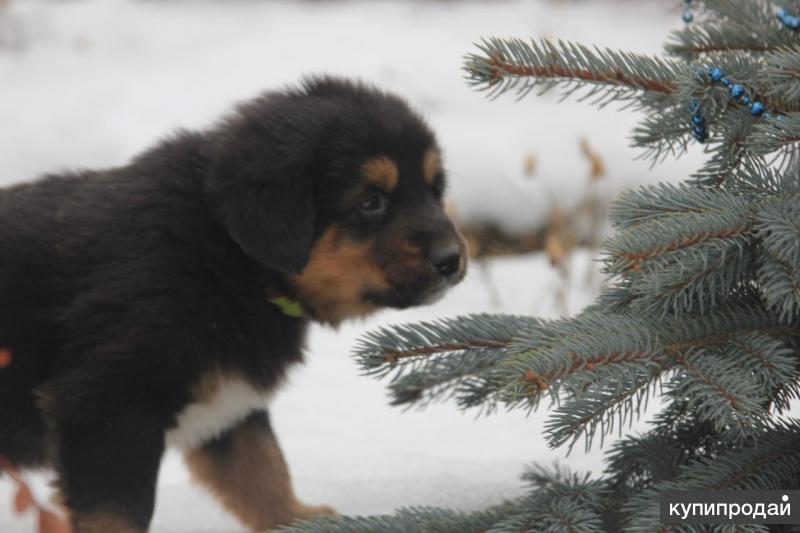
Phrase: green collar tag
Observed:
(288, 306)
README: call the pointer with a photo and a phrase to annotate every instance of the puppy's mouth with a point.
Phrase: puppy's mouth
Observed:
(426, 290)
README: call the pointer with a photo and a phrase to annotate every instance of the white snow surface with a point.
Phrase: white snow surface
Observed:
(90, 83)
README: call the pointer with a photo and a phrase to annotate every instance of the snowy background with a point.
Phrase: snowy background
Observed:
(92, 82)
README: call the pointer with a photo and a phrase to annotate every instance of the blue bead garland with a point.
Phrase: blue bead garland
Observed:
(789, 21)
(737, 94)
(687, 11)
(698, 122)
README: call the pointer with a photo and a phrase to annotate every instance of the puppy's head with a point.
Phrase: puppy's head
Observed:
(338, 187)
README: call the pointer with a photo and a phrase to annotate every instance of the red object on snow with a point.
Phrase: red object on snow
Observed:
(48, 521)
(5, 357)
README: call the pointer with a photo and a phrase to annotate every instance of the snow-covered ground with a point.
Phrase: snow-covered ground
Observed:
(91, 82)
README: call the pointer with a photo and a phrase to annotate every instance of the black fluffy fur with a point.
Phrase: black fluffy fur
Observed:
(119, 288)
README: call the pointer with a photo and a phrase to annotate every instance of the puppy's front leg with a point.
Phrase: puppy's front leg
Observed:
(244, 468)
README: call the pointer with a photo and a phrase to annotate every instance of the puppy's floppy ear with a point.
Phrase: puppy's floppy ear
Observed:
(262, 192)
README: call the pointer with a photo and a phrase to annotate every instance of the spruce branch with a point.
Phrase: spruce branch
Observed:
(704, 300)
(782, 69)
(560, 514)
(609, 404)
(771, 358)
(406, 346)
(721, 392)
(770, 361)
(769, 462)
(680, 248)
(616, 298)
(676, 438)
(778, 227)
(665, 132)
(558, 501)
(666, 127)
(731, 26)
(744, 173)
(780, 283)
(596, 365)
(776, 135)
(740, 315)
(632, 248)
(514, 64)
(692, 279)
(465, 375)
(728, 154)
(569, 356)
(431, 361)
(597, 388)
(665, 200)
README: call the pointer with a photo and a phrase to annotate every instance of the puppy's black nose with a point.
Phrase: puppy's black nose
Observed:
(446, 259)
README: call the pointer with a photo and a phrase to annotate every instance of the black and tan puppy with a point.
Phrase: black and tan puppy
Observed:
(160, 303)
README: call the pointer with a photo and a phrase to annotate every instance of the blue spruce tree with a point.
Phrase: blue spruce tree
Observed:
(704, 304)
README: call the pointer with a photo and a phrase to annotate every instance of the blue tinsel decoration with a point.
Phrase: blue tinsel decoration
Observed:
(789, 21)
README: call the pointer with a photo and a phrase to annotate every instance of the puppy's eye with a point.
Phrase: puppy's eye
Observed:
(374, 205)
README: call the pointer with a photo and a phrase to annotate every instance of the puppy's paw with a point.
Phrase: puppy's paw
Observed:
(298, 512)
(309, 512)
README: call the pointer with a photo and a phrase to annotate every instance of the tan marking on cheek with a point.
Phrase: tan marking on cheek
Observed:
(431, 165)
(251, 479)
(381, 172)
(335, 278)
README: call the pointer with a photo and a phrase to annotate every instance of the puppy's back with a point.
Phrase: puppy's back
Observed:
(33, 221)
(32, 287)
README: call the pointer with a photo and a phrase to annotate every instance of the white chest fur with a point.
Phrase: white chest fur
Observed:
(225, 402)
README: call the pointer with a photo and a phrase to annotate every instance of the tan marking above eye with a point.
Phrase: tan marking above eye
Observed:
(431, 165)
(382, 172)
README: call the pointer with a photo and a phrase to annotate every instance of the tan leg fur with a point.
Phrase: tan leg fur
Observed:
(251, 480)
